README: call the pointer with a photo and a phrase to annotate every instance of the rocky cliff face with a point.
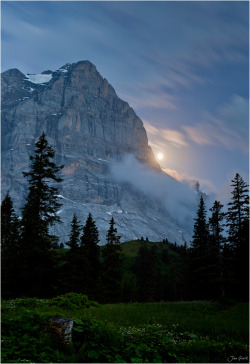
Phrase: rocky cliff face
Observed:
(89, 127)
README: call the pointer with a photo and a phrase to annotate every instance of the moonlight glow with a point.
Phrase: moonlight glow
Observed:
(160, 156)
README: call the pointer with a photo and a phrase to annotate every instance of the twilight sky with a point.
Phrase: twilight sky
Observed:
(182, 66)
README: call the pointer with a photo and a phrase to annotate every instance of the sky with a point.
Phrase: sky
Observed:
(182, 65)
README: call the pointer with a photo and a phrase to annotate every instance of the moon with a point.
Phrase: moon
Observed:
(160, 156)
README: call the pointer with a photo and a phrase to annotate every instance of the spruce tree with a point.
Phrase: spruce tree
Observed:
(9, 228)
(200, 253)
(216, 243)
(91, 251)
(10, 250)
(238, 213)
(39, 212)
(216, 225)
(74, 271)
(74, 236)
(112, 266)
(112, 237)
(200, 242)
(38, 215)
(238, 236)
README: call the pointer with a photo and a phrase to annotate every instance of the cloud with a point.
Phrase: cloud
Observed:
(228, 128)
(178, 198)
(144, 96)
(192, 181)
(159, 136)
(176, 138)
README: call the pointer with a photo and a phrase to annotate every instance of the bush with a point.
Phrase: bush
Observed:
(96, 342)
(24, 338)
(73, 300)
(23, 302)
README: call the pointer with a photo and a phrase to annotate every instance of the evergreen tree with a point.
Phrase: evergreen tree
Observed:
(200, 253)
(38, 215)
(216, 225)
(39, 212)
(112, 266)
(238, 235)
(10, 249)
(216, 244)
(200, 242)
(9, 228)
(91, 251)
(74, 271)
(112, 237)
(74, 236)
(238, 213)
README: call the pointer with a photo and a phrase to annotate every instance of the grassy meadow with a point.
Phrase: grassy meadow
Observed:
(198, 331)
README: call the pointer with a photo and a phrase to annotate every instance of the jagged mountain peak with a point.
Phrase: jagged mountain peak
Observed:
(90, 127)
(13, 72)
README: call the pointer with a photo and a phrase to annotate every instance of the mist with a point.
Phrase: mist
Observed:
(179, 199)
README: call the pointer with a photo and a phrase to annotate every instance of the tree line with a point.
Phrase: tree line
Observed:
(219, 263)
(214, 267)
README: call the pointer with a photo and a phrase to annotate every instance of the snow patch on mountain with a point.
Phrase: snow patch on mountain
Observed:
(39, 78)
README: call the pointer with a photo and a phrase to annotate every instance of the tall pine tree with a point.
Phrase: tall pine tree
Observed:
(73, 272)
(90, 249)
(10, 250)
(112, 266)
(238, 235)
(9, 228)
(238, 213)
(38, 215)
(200, 253)
(74, 236)
(217, 241)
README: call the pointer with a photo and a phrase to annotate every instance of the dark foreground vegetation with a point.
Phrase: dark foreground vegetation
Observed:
(191, 332)
(214, 269)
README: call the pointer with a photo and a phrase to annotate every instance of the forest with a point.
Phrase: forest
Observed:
(36, 268)
(215, 266)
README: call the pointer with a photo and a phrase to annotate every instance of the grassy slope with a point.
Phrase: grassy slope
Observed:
(205, 318)
(131, 248)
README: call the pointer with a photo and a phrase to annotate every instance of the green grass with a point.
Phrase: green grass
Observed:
(131, 248)
(137, 332)
(202, 317)
(205, 318)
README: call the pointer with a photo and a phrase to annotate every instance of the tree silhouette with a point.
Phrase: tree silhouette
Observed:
(217, 241)
(9, 228)
(10, 249)
(74, 236)
(238, 235)
(200, 253)
(112, 265)
(238, 212)
(73, 273)
(91, 251)
(38, 215)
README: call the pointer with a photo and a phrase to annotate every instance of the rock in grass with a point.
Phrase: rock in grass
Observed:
(62, 328)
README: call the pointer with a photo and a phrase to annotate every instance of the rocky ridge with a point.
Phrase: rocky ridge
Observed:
(90, 127)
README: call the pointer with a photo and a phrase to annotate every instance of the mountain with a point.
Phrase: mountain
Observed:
(90, 127)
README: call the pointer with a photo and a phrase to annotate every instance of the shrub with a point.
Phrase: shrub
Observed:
(73, 300)
(24, 338)
(96, 342)
(23, 302)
